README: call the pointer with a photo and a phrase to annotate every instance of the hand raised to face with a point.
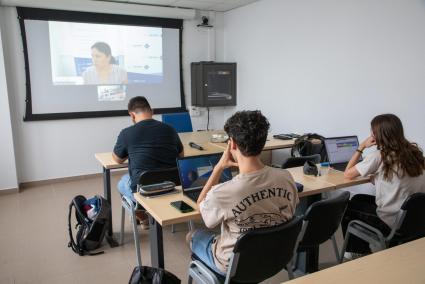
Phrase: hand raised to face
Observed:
(369, 142)
(226, 159)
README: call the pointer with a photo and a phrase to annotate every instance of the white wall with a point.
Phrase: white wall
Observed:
(329, 66)
(8, 178)
(203, 44)
(62, 148)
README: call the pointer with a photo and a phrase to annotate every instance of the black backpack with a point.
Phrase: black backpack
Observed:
(303, 146)
(90, 232)
(152, 275)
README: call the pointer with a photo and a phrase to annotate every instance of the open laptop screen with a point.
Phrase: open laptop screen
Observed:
(341, 149)
(195, 171)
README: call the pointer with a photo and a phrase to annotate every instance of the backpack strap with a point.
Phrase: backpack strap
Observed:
(71, 243)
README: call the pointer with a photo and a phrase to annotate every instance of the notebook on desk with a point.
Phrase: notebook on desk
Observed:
(195, 171)
(340, 150)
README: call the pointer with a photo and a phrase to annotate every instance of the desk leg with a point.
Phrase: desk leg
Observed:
(107, 193)
(157, 245)
(308, 261)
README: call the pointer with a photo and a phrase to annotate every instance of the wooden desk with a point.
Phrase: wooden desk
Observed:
(271, 144)
(334, 179)
(200, 137)
(161, 210)
(161, 213)
(401, 264)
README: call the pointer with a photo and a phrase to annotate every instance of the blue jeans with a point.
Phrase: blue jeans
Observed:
(124, 187)
(201, 246)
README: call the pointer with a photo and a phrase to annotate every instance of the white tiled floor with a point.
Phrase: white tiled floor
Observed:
(34, 238)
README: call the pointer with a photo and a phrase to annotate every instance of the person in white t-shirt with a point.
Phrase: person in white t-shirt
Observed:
(259, 196)
(397, 170)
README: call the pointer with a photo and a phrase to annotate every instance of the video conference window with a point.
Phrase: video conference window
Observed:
(98, 54)
(90, 65)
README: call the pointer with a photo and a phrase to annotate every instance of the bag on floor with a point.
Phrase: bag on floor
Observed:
(152, 275)
(93, 217)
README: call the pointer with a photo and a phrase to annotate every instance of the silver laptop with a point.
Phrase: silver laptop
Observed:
(340, 150)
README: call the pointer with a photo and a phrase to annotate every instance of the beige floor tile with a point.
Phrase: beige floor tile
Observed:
(62, 279)
(34, 237)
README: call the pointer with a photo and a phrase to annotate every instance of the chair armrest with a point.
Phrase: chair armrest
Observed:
(128, 203)
(204, 271)
(368, 227)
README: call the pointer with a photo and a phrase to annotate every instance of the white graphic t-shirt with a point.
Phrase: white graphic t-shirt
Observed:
(264, 198)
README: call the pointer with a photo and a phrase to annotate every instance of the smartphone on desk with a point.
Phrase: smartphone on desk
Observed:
(182, 206)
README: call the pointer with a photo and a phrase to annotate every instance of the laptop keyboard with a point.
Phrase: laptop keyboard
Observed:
(340, 167)
(193, 195)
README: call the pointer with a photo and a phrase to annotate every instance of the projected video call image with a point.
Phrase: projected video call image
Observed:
(90, 68)
(98, 54)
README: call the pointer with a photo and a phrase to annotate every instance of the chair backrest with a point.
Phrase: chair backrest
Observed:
(261, 253)
(180, 121)
(158, 176)
(412, 222)
(322, 219)
(299, 161)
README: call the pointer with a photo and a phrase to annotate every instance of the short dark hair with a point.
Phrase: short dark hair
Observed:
(139, 104)
(249, 130)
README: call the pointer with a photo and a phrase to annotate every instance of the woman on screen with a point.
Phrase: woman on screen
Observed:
(103, 71)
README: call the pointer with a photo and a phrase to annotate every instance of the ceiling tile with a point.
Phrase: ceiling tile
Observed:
(230, 4)
(211, 1)
(153, 2)
(213, 5)
(201, 5)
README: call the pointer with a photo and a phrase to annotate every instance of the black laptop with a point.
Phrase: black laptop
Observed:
(195, 171)
(340, 150)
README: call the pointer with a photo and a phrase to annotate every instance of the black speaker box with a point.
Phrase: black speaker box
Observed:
(213, 84)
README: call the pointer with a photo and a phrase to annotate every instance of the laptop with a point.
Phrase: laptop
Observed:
(340, 150)
(195, 171)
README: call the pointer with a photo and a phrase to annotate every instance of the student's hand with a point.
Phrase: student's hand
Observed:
(226, 160)
(369, 142)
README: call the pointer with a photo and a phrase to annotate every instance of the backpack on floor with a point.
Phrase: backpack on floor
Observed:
(303, 146)
(91, 224)
(152, 275)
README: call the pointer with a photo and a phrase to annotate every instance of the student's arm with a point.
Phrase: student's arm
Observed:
(180, 147)
(351, 171)
(118, 159)
(225, 162)
(120, 153)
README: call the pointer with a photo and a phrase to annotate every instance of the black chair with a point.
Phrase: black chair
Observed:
(299, 161)
(257, 255)
(146, 178)
(409, 225)
(320, 222)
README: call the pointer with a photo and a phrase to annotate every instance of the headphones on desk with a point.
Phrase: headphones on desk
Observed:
(310, 169)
